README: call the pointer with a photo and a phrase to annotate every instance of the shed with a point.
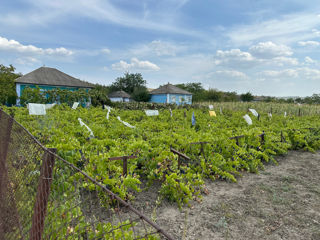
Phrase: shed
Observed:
(170, 94)
(49, 78)
(119, 96)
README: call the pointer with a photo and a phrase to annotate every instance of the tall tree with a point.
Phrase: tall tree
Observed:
(195, 88)
(8, 93)
(246, 97)
(129, 82)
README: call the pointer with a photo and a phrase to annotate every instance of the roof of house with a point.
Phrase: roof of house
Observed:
(169, 88)
(119, 94)
(52, 76)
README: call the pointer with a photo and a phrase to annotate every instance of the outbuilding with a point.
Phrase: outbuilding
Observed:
(47, 79)
(170, 94)
(119, 96)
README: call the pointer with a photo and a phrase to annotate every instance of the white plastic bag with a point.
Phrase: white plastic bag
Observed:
(152, 112)
(210, 107)
(254, 112)
(285, 114)
(75, 105)
(248, 119)
(83, 124)
(270, 115)
(125, 123)
(48, 106)
(36, 109)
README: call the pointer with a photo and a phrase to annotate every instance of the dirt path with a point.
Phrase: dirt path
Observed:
(282, 202)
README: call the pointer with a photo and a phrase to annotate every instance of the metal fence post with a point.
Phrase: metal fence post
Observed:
(4, 147)
(42, 197)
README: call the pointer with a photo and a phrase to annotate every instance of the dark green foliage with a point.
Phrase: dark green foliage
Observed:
(128, 83)
(8, 93)
(246, 97)
(99, 95)
(141, 94)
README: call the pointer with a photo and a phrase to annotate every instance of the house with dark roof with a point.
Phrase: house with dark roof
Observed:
(119, 96)
(170, 94)
(49, 78)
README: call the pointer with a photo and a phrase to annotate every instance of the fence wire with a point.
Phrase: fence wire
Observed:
(42, 196)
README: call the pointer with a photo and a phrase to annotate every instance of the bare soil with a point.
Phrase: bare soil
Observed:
(281, 202)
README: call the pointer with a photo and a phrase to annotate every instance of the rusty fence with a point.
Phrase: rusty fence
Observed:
(42, 196)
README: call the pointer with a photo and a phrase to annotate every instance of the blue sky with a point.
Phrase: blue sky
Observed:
(266, 47)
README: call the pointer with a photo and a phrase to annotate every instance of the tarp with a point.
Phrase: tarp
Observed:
(37, 109)
(125, 123)
(152, 112)
(83, 124)
(212, 114)
(75, 105)
(254, 112)
(248, 119)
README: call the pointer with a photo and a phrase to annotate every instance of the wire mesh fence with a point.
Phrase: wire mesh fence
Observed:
(42, 196)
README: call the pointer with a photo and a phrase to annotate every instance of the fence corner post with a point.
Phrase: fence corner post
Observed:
(40, 208)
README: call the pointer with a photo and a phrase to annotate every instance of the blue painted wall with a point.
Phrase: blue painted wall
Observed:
(172, 98)
(158, 98)
(20, 87)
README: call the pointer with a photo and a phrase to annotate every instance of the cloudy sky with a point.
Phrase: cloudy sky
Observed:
(267, 47)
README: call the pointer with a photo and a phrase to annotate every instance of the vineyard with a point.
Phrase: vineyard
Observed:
(168, 149)
(124, 150)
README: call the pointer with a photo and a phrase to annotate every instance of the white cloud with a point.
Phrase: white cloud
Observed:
(135, 64)
(309, 60)
(234, 57)
(230, 73)
(270, 50)
(160, 16)
(292, 73)
(282, 61)
(316, 32)
(106, 50)
(287, 28)
(158, 48)
(298, 73)
(15, 46)
(309, 43)
(27, 60)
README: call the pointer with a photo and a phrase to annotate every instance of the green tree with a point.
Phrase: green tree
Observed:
(230, 97)
(214, 95)
(129, 82)
(99, 95)
(141, 95)
(195, 88)
(246, 97)
(8, 93)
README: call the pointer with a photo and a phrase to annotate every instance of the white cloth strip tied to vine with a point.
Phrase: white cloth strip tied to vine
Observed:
(109, 110)
(75, 105)
(125, 123)
(248, 119)
(254, 112)
(83, 124)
